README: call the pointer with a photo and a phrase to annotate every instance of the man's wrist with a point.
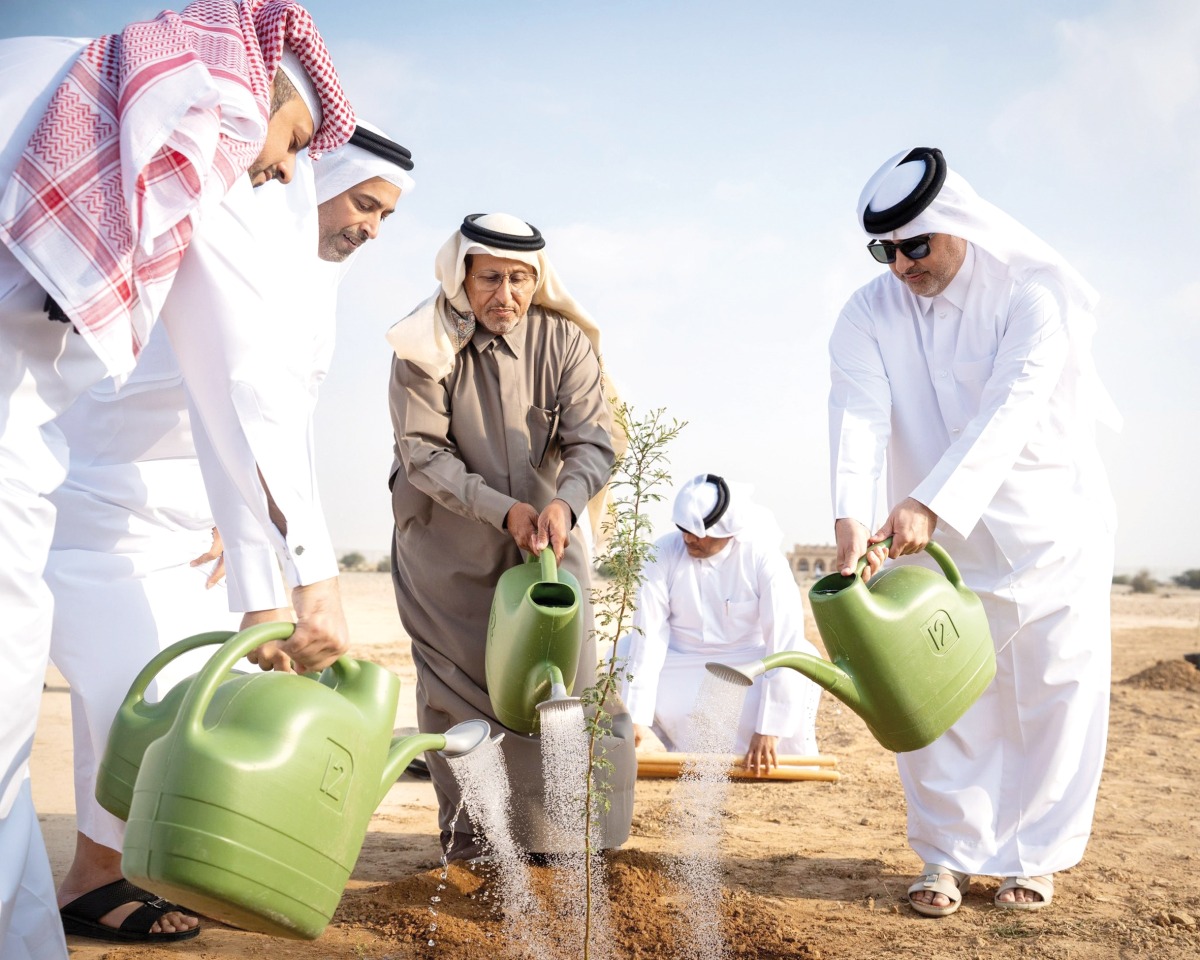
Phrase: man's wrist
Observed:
(570, 511)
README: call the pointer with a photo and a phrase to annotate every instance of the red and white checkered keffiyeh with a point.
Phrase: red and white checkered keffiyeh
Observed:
(148, 126)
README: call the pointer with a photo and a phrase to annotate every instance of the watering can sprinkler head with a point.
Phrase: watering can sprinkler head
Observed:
(742, 674)
(560, 701)
(464, 737)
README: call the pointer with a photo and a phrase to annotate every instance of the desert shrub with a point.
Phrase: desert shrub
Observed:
(1189, 578)
(351, 561)
(1142, 582)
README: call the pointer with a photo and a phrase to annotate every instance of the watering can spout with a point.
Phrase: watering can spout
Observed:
(560, 700)
(460, 739)
(824, 674)
(821, 672)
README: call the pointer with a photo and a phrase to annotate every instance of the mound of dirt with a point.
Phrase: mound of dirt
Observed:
(648, 919)
(1167, 675)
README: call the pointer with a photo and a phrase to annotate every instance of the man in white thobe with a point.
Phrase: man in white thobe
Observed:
(104, 213)
(719, 588)
(968, 368)
(133, 515)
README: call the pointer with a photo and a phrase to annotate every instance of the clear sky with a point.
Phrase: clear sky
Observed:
(695, 167)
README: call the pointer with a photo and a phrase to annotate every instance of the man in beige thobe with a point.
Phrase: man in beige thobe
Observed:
(502, 437)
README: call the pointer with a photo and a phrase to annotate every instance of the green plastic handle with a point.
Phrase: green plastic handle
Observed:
(931, 548)
(200, 694)
(549, 565)
(151, 670)
(862, 561)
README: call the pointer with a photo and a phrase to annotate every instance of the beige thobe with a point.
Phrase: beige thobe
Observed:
(520, 418)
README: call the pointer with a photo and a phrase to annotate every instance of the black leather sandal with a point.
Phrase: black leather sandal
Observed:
(81, 917)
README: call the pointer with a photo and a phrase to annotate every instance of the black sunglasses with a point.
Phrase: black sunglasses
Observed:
(915, 248)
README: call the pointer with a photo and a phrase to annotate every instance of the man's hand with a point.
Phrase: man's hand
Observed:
(321, 635)
(910, 525)
(554, 529)
(522, 523)
(761, 758)
(640, 733)
(215, 552)
(269, 656)
(852, 544)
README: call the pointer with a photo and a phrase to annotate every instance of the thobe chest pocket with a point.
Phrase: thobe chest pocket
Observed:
(740, 618)
(543, 428)
(971, 376)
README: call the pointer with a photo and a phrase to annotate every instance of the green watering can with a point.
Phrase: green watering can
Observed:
(252, 806)
(139, 723)
(534, 639)
(911, 650)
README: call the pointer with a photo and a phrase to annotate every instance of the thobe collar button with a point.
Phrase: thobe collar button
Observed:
(299, 551)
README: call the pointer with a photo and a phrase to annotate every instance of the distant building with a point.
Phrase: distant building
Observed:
(810, 561)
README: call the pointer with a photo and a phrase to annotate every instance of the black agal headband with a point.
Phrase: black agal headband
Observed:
(908, 209)
(382, 147)
(505, 241)
(722, 504)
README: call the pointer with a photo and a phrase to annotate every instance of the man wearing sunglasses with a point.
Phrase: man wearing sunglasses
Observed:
(967, 369)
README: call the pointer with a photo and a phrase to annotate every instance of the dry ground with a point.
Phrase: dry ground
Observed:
(811, 870)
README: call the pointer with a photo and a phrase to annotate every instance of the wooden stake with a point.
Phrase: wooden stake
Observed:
(671, 771)
(679, 759)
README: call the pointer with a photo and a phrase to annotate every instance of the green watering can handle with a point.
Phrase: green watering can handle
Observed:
(151, 670)
(549, 565)
(931, 548)
(195, 703)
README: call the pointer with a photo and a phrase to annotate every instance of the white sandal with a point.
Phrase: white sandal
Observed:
(1043, 886)
(936, 878)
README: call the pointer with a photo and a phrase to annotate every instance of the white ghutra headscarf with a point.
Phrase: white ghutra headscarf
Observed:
(709, 506)
(431, 336)
(363, 159)
(915, 193)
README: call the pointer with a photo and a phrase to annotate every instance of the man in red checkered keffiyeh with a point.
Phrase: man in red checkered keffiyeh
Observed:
(104, 200)
(123, 166)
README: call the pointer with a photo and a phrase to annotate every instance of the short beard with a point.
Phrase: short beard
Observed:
(501, 327)
(329, 251)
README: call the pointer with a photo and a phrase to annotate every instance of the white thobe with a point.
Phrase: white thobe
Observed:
(228, 274)
(979, 402)
(131, 516)
(735, 607)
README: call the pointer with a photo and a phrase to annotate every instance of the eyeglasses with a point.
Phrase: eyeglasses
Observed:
(517, 282)
(915, 248)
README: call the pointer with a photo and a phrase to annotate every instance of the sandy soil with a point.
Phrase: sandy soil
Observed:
(811, 870)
